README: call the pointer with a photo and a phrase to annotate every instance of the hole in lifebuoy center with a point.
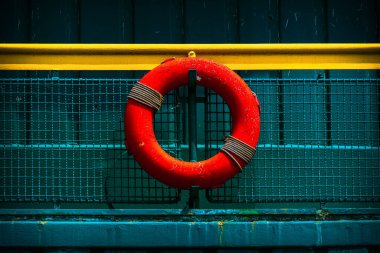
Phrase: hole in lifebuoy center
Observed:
(213, 123)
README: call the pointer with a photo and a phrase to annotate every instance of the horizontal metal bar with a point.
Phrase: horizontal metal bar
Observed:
(151, 213)
(184, 146)
(264, 81)
(223, 233)
(148, 56)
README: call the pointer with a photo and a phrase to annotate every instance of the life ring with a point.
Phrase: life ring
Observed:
(239, 147)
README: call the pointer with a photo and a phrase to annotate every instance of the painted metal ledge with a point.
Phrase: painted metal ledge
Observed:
(188, 228)
(105, 233)
(147, 56)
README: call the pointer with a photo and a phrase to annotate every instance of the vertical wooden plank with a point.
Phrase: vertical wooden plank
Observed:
(302, 22)
(210, 22)
(304, 123)
(14, 29)
(258, 23)
(299, 103)
(354, 106)
(351, 123)
(201, 28)
(352, 22)
(103, 21)
(14, 97)
(158, 21)
(52, 22)
(100, 113)
(14, 21)
(164, 25)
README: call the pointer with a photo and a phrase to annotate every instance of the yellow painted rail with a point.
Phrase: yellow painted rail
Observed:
(147, 56)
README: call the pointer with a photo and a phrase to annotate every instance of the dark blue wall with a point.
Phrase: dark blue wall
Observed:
(185, 21)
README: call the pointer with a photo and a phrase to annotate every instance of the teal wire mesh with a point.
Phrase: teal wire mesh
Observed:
(319, 141)
(63, 140)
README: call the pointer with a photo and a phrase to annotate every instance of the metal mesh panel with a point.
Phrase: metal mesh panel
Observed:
(62, 140)
(319, 141)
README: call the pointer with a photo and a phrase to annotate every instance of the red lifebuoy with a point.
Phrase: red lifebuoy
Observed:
(142, 143)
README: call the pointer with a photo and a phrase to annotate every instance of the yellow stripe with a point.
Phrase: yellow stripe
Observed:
(147, 56)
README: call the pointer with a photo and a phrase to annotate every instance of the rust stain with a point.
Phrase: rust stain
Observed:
(220, 225)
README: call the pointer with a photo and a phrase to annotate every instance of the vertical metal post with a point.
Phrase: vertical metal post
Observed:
(192, 115)
(192, 126)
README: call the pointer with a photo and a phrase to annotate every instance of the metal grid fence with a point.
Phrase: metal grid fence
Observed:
(62, 140)
(319, 141)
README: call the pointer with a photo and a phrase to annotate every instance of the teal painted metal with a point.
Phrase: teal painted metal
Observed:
(299, 158)
(76, 127)
(65, 142)
(189, 227)
(95, 232)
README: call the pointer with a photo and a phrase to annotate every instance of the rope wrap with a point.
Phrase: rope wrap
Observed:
(146, 95)
(239, 148)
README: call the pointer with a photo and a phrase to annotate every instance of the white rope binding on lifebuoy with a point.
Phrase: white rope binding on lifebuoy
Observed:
(146, 95)
(238, 148)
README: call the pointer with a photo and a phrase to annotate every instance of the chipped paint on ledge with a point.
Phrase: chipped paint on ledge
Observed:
(189, 234)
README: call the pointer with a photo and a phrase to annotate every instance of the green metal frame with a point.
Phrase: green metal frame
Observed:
(189, 228)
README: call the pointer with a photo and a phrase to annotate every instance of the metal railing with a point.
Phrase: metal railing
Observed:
(62, 139)
(148, 56)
